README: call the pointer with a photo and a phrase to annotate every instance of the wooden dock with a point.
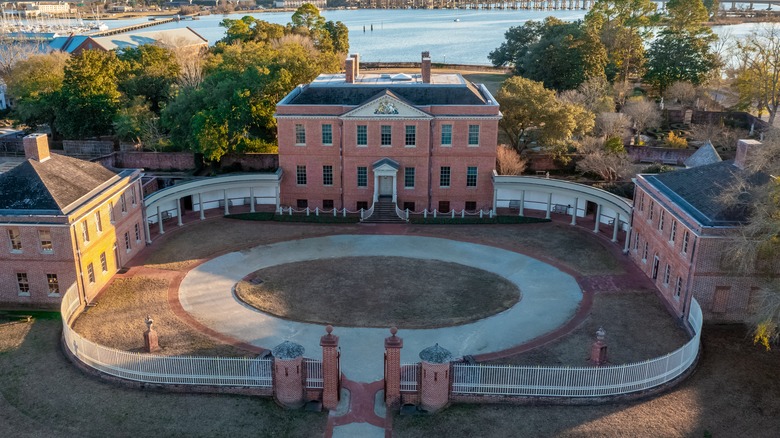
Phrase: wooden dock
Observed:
(132, 27)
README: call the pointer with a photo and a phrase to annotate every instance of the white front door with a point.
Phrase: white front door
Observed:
(385, 186)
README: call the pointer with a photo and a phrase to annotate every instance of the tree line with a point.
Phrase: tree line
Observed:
(213, 102)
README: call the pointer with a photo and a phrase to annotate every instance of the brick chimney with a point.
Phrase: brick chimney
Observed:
(36, 147)
(349, 71)
(745, 150)
(426, 67)
(356, 57)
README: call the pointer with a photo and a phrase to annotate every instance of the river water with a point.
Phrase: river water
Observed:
(400, 35)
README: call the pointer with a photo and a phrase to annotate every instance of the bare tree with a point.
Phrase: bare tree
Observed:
(13, 51)
(681, 92)
(643, 113)
(509, 162)
(757, 76)
(755, 251)
(612, 125)
(190, 59)
(608, 164)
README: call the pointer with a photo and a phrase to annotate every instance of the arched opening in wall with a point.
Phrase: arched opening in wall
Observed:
(656, 263)
(591, 208)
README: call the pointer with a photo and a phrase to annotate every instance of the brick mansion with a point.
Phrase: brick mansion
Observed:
(417, 141)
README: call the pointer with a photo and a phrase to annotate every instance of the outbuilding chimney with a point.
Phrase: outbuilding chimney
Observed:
(426, 67)
(745, 150)
(349, 71)
(356, 65)
(36, 147)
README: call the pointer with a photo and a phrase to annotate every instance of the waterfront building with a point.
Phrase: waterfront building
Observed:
(419, 141)
(682, 228)
(64, 223)
(184, 38)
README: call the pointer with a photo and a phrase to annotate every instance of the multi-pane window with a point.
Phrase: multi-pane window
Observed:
(411, 135)
(471, 177)
(327, 175)
(685, 242)
(54, 283)
(644, 254)
(386, 138)
(444, 176)
(111, 212)
(300, 175)
(473, 135)
(667, 272)
(327, 204)
(127, 242)
(362, 177)
(91, 273)
(673, 233)
(132, 195)
(446, 135)
(300, 134)
(302, 203)
(471, 205)
(636, 241)
(409, 177)
(123, 203)
(327, 134)
(137, 233)
(16, 239)
(45, 238)
(678, 288)
(22, 283)
(650, 211)
(642, 201)
(362, 135)
(661, 220)
(98, 222)
(103, 262)
(85, 231)
(444, 206)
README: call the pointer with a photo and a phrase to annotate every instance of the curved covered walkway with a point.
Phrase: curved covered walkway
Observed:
(550, 299)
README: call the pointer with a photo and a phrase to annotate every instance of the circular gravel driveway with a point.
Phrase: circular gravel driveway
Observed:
(550, 299)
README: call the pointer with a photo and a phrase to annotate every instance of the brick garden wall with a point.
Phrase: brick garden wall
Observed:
(246, 162)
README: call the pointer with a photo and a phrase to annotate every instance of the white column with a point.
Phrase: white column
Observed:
(628, 238)
(200, 202)
(376, 187)
(146, 228)
(159, 221)
(278, 201)
(615, 227)
(178, 211)
(598, 218)
(522, 202)
(495, 195)
(549, 205)
(251, 199)
(227, 208)
(395, 189)
(574, 212)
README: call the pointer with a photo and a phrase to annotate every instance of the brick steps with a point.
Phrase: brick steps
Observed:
(384, 213)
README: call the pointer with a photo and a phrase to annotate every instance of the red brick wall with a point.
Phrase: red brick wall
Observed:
(288, 382)
(250, 161)
(704, 268)
(156, 160)
(435, 386)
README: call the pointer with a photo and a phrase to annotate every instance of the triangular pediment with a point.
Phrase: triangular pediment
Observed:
(386, 164)
(386, 105)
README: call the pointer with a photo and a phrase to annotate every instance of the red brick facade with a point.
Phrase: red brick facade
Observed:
(434, 385)
(44, 253)
(323, 144)
(687, 259)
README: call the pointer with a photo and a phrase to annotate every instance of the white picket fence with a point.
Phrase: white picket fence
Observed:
(511, 380)
(177, 370)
